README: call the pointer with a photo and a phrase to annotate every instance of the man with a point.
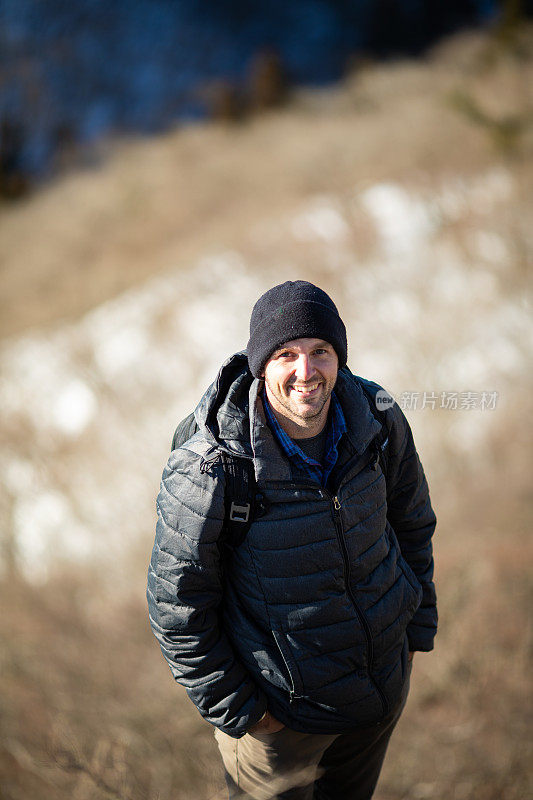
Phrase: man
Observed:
(296, 643)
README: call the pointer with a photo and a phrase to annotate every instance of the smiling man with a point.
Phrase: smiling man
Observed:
(291, 578)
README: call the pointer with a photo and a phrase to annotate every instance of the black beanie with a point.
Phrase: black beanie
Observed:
(293, 310)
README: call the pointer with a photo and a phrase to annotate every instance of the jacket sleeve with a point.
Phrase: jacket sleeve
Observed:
(413, 520)
(185, 594)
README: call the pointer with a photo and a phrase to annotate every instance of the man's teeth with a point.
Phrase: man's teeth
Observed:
(303, 389)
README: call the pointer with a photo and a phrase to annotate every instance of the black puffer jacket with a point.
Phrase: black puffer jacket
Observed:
(314, 613)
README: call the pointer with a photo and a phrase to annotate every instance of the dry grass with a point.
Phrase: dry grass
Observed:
(90, 709)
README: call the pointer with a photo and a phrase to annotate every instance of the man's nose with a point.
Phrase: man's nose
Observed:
(304, 368)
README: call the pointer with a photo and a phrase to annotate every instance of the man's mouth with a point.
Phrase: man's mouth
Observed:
(305, 391)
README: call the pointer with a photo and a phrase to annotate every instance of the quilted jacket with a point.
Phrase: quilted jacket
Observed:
(313, 614)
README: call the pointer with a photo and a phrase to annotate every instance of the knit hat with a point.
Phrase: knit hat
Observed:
(293, 310)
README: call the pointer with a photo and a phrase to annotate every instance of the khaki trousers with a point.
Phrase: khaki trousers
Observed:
(289, 765)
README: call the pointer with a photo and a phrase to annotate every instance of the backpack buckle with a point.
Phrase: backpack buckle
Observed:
(239, 513)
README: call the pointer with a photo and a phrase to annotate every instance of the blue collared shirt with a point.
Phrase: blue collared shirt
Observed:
(336, 428)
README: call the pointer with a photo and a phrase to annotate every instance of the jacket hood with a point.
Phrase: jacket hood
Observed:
(222, 414)
(231, 418)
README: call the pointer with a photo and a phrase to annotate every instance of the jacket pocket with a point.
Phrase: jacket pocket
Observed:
(410, 577)
(295, 681)
(406, 569)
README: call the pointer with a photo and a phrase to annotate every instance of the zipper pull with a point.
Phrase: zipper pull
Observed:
(336, 503)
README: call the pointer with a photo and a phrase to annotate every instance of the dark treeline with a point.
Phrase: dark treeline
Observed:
(72, 71)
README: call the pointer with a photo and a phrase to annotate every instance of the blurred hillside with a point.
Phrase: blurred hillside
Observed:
(72, 72)
(406, 194)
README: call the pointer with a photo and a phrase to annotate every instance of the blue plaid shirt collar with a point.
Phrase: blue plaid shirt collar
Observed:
(336, 427)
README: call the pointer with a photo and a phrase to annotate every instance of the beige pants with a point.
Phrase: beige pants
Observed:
(302, 766)
(264, 765)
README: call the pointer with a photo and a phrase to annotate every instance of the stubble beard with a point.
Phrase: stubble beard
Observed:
(295, 413)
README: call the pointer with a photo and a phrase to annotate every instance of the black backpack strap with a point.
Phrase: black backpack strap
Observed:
(186, 428)
(239, 498)
(382, 439)
(240, 486)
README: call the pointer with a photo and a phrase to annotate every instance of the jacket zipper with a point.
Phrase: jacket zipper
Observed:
(292, 690)
(362, 619)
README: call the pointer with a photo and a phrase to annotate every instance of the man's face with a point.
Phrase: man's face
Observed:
(299, 379)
